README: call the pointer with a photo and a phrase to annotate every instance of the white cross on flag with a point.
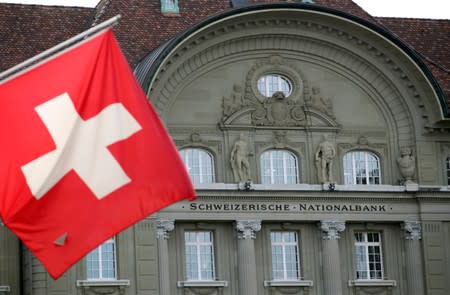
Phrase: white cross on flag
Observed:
(83, 154)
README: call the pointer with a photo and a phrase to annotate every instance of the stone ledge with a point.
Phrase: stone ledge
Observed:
(102, 283)
(372, 283)
(300, 283)
(197, 284)
(5, 289)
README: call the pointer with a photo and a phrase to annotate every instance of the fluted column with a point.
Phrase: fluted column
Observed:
(246, 256)
(331, 265)
(412, 232)
(163, 227)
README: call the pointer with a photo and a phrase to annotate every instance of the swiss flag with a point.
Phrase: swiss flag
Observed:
(83, 154)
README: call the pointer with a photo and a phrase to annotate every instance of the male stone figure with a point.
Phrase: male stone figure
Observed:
(324, 161)
(239, 160)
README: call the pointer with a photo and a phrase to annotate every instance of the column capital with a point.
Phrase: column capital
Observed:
(331, 228)
(247, 228)
(163, 227)
(412, 230)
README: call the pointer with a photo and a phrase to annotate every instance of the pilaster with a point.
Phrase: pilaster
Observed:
(331, 266)
(246, 230)
(163, 228)
(412, 233)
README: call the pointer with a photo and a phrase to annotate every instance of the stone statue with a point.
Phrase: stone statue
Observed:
(239, 160)
(407, 164)
(321, 103)
(324, 161)
(234, 102)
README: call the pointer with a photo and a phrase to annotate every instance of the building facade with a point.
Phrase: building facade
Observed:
(317, 140)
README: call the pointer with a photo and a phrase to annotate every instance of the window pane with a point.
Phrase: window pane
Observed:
(361, 167)
(285, 262)
(271, 83)
(199, 256)
(278, 167)
(368, 256)
(199, 165)
(101, 262)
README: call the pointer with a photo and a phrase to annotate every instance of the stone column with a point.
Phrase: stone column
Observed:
(331, 266)
(412, 232)
(163, 227)
(246, 256)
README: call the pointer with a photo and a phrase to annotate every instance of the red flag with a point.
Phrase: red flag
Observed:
(83, 154)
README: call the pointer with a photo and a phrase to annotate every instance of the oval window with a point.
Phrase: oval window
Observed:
(271, 83)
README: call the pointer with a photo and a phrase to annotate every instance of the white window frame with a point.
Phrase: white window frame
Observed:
(99, 262)
(203, 155)
(264, 86)
(283, 244)
(197, 244)
(353, 171)
(366, 244)
(272, 167)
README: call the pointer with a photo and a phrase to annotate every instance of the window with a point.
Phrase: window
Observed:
(369, 260)
(285, 262)
(101, 262)
(199, 254)
(271, 83)
(361, 167)
(169, 6)
(278, 167)
(448, 170)
(199, 164)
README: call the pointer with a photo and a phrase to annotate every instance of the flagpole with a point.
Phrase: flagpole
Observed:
(25, 64)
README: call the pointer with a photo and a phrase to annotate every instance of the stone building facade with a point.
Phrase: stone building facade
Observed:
(318, 142)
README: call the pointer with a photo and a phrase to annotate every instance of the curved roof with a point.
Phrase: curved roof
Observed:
(147, 68)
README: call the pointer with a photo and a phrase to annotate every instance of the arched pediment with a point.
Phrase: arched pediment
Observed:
(393, 89)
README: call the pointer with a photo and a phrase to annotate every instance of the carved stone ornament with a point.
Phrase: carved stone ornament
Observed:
(407, 165)
(279, 110)
(120, 290)
(412, 230)
(203, 291)
(163, 227)
(331, 228)
(247, 105)
(247, 228)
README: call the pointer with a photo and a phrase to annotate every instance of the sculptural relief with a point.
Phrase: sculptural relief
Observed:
(319, 102)
(234, 102)
(278, 110)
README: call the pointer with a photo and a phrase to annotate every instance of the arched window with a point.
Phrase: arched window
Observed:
(278, 167)
(361, 167)
(200, 165)
(448, 170)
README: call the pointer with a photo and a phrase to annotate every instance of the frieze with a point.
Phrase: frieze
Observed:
(288, 207)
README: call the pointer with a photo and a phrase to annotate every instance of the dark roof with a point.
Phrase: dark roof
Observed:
(26, 30)
(430, 39)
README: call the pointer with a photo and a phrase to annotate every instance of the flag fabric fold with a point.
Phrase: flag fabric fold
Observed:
(84, 155)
